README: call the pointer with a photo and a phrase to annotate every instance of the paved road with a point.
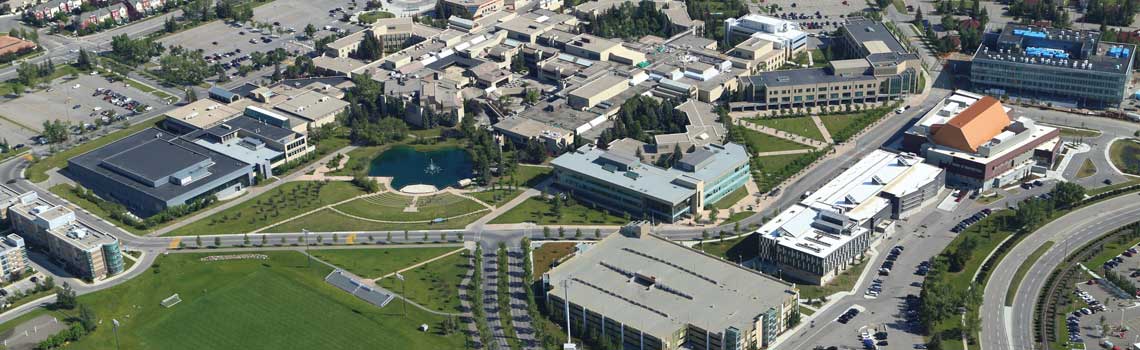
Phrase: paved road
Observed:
(63, 49)
(520, 318)
(1068, 232)
(491, 299)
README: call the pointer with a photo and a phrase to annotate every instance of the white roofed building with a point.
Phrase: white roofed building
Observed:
(822, 235)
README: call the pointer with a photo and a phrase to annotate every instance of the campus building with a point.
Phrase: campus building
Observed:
(979, 144)
(472, 9)
(267, 142)
(786, 35)
(647, 292)
(152, 170)
(392, 33)
(881, 69)
(822, 235)
(1066, 66)
(617, 180)
(79, 248)
(13, 257)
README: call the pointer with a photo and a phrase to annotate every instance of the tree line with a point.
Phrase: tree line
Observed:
(642, 117)
(630, 21)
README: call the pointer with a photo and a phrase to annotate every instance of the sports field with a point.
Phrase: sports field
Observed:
(252, 304)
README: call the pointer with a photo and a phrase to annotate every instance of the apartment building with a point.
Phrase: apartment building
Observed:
(79, 248)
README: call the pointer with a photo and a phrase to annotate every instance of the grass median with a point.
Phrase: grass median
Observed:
(1022, 270)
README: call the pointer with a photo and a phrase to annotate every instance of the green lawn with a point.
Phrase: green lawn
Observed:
(775, 169)
(1022, 270)
(806, 311)
(330, 221)
(841, 283)
(732, 249)
(539, 211)
(496, 197)
(530, 176)
(737, 217)
(844, 126)
(375, 263)
(759, 142)
(1125, 155)
(802, 126)
(251, 304)
(730, 199)
(434, 285)
(37, 172)
(371, 17)
(1078, 133)
(547, 253)
(1087, 169)
(384, 207)
(285, 201)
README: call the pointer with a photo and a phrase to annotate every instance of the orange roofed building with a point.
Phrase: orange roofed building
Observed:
(981, 147)
(10, 44)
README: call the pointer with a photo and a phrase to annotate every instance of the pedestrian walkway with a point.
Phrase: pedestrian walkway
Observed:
(782, 134)
(822, 129)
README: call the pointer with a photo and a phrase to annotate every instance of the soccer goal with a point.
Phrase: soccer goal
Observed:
(171, 300)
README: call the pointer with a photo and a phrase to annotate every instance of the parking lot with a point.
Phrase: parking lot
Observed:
(74, 101)
(813, 16)
(299, 13)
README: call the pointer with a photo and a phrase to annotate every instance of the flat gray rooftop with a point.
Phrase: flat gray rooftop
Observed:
(865, 30)
(803, 76)
(690, 287)
(222, 165)
(155, 159)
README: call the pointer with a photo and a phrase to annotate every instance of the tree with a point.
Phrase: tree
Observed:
(918, 16)
(370, 49)
(87, 318)
(245, 239)
(66, 297)
(1067, 194)
(597, 233)
(577, 233)
(84, 62)
(198, 240)
(546, 232)
(217, 241)
(561, 232)
(310, 30)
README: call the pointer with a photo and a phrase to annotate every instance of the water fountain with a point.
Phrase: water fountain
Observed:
(431, 168)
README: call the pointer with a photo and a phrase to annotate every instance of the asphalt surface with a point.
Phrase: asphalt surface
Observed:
(491, 299)
(1011, 328)
(520, 318)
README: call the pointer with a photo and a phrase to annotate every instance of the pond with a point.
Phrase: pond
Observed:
(407, 166)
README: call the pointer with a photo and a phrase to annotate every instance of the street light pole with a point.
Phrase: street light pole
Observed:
(115, 327)
(309, 262)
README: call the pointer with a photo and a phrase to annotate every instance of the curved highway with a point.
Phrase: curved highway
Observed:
(1011, 327)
